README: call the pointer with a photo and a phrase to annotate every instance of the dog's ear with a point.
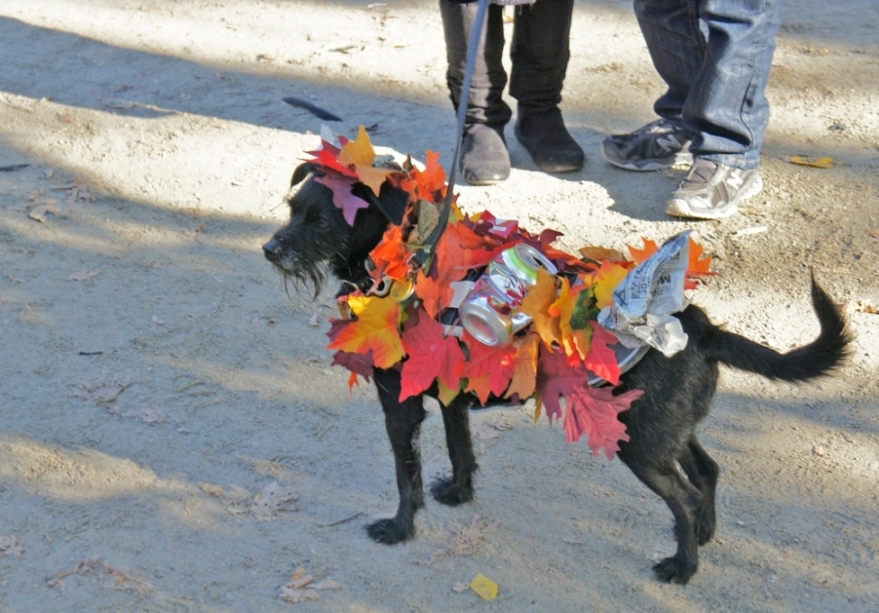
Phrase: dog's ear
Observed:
(301, 172)
(391, 201)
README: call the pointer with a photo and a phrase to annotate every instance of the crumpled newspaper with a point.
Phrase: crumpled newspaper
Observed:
(645, 300)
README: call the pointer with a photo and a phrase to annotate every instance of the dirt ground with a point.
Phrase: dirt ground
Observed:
(173, 437)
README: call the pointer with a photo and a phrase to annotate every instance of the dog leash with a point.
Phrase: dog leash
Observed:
(427, 250)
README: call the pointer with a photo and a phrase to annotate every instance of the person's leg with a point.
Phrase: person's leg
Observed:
(727, 108)
(484, 157)
(677, 48)
(540, 51)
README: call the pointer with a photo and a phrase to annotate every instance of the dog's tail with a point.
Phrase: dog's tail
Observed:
(820, 357)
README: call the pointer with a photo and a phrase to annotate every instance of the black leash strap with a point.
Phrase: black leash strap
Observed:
(427, 250)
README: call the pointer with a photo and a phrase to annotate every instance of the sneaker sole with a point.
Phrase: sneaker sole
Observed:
(648, 165)
(680, 207)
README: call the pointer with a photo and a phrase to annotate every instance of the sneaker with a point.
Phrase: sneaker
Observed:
(658, 145)
(713, 191)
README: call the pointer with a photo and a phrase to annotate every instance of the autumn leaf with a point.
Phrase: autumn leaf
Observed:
(431, 355)
(822, 162)
(374, 329)
(489, 369)
(590, 411)
(699, 264)
(605, 281)
(524, 378)
(536, 305)
(573, 340)
(602, 359)
(327, 157)
(342, 196)
(361, 155)
(391, 256)
(358, 363)
(593, 411)
(599, 254)
(429, 184)
(639, 255)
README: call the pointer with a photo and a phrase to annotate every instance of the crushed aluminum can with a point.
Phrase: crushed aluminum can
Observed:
(487, 312)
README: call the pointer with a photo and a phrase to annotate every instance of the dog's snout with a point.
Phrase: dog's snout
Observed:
(272, 249)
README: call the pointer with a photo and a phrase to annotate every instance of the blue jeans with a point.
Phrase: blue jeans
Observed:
(715, 57)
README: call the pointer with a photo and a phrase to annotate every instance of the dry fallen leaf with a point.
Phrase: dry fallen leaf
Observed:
(485, 587)
(822, 162)
(212, 490)
(293, 591)
(273, 499)
(84, 275)
(39, 212)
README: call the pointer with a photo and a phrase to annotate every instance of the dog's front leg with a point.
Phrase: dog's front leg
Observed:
(458, 489)
(403, 423)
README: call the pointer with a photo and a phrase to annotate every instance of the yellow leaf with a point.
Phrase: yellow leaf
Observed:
(537, 304)
(445, 394)
(373, 177)
(375, 329)
(485, 587)
(825, 162)
(358, 152)
(571, 339)
(606, 280)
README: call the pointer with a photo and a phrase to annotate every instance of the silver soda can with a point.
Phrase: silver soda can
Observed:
(487, 311)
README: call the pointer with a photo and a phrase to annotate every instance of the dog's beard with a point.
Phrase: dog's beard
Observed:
(311, 268)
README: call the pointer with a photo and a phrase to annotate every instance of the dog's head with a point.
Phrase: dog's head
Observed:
(317, 241)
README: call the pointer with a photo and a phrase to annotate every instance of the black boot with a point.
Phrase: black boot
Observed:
(484, 156)
(540, 53)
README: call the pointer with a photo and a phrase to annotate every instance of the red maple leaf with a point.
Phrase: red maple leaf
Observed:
(358, 363)
(489, 369)
(602, 360)
(589, 411)
(431, 355)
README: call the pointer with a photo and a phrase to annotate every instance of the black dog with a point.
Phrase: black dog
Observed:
(318, 242)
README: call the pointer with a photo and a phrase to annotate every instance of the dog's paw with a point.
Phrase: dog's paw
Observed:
(705, 527)
(447, 492)
(389, 531)
(674, 570)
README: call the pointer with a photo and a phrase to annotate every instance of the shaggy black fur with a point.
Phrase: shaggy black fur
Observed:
(661, 424)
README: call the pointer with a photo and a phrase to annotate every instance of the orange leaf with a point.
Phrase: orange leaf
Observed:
(391, 257)
(536, 305)
(524, 378)
(374, 329)
(573, 341)
(358, 152)
(639, 255)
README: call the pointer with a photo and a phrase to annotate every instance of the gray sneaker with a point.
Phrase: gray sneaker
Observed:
(713, 191)
(657, 145)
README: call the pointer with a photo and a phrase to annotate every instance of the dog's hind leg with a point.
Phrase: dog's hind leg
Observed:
(403, 423)
(459, 488)
(683, 499)
(702, 472)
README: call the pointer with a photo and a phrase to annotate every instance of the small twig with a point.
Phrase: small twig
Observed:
(13, 167)
(573, 542)
(341, 521)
